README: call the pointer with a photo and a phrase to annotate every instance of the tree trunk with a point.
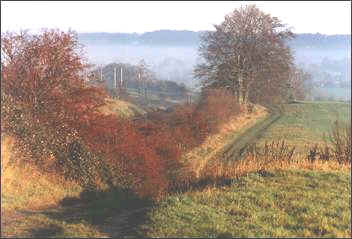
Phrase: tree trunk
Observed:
(241, 89)
(245, 96)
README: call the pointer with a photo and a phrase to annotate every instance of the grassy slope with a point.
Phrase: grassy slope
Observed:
(304, 124)
(38, 205)
(121, 108)
(286, 203)
(24, 189)
(18, 189)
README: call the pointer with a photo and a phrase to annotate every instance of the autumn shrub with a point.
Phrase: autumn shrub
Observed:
(160, 138)
(128, 161)
(181, 123)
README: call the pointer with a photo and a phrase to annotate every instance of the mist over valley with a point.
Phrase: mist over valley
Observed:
(172, 54)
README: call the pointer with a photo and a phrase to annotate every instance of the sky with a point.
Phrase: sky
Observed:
(325, 17)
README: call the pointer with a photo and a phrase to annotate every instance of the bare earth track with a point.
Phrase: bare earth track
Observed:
(235, 149)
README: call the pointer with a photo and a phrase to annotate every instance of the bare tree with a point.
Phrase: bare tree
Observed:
(246, 49)
(300, 84)
(145, 75)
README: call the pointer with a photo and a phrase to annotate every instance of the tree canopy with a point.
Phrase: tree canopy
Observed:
(247, 54)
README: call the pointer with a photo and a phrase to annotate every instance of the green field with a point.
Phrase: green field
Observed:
(303, 124)
(279, 204)
(336, 93)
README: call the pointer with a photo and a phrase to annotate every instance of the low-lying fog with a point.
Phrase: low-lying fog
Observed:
(173, 63)
(176, 62)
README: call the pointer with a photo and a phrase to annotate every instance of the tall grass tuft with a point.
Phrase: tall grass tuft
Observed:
(274, 151)
(339, 149)
(340, 137)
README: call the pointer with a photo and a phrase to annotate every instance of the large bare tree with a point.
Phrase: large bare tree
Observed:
(246, 51)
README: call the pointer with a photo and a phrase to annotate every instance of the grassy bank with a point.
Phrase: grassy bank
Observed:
(228, 133)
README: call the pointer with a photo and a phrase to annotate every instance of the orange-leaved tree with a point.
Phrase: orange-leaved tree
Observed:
(44, 97)
(48, 106)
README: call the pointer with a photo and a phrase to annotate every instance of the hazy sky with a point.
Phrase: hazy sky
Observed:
(325, 17)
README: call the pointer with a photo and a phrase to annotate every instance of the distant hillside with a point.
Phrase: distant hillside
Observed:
(166, 37)
(321, 41)
(191, 38)
(104, 38)
(161, 37)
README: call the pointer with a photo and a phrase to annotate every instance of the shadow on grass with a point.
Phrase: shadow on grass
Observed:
(201, 184)
(222, 181)
(51, 230)
(115, 212)
(295, 102)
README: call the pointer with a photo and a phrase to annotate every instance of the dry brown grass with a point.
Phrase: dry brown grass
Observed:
(277, 155)
(6, 147)
(217, 171)
(25, 187)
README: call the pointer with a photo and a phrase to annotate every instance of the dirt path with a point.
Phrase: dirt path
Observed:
(123, 224)
(235, 149)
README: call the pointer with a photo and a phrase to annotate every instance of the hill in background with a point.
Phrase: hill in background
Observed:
(191, 38)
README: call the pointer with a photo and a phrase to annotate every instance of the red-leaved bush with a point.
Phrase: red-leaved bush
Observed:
(43, 94)
(187, 126)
